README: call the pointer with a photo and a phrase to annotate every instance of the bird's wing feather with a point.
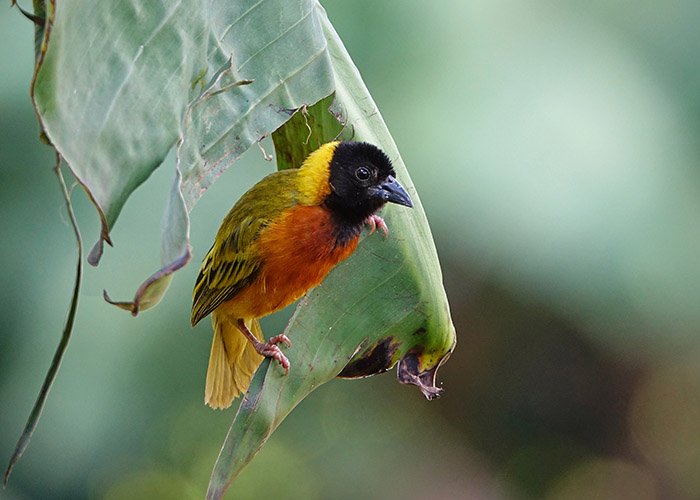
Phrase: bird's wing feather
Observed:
(232, 262)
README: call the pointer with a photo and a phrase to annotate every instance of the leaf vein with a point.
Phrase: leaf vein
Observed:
(127, 76)
(278, 37)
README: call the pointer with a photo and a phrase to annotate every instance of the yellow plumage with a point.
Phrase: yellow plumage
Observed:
(312, 181)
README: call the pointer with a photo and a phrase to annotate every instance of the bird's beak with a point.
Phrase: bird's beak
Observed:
(390, 190)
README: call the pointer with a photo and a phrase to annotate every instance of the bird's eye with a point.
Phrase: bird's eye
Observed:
(362, 173)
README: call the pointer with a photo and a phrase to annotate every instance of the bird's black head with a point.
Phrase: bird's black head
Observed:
(362, 181)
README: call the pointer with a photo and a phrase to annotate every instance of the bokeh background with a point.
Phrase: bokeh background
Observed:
(556, 149)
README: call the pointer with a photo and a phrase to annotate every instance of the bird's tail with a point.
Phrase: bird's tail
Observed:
(232, 361)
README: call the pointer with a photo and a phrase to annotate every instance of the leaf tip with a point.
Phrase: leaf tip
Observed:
(409, 372)
(127, 306)
(7, 476)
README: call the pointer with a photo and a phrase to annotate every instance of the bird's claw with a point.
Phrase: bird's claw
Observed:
(375, 222)
(270, 349)
(280, 338)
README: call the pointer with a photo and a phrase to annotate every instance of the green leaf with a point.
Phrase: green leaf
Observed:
(306, 130)
(112, 90)
(213, 77)
(382, 306)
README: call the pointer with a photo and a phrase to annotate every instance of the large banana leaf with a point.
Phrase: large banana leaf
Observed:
(122, 82)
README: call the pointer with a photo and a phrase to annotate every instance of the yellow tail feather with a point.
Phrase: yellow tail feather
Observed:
(232, 361)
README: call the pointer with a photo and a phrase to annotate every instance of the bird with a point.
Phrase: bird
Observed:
(280, 240)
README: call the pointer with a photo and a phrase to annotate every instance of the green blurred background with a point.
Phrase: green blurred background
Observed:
(556, 149)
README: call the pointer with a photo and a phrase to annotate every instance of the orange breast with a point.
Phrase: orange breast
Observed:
(297, 251)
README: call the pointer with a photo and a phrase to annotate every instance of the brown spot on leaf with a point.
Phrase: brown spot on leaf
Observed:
(376, 359)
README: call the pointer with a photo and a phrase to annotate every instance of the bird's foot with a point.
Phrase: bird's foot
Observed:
(270, 349)
(375, 222)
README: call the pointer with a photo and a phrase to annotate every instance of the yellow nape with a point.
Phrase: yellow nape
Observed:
(312, 181)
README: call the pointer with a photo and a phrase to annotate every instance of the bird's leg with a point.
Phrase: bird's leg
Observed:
(375, 222)
(268, 349)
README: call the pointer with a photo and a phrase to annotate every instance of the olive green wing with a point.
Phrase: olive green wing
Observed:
(232, 263)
